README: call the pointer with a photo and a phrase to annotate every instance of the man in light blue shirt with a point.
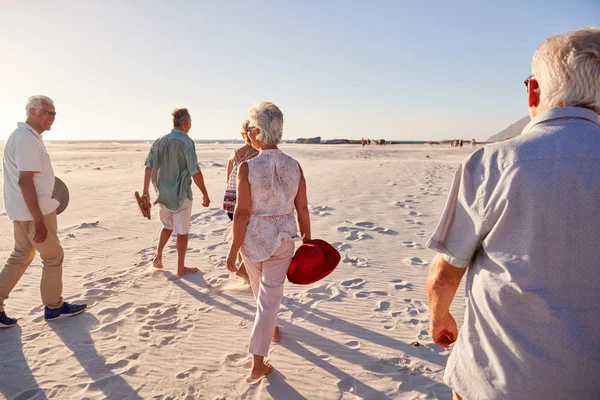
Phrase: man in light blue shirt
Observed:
(523, 221)
(172, 164)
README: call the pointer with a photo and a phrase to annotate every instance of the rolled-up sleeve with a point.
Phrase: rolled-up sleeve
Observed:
(192, 160)
(459, 233)
(150, 157)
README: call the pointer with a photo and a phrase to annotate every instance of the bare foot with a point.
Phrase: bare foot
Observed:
(242, 273)
(157, 263)
(258, 371)
(276, 335)
(187, 271)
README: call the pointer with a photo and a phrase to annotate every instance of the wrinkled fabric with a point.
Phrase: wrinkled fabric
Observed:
(173, 161)
(524, 217)
(274, 178)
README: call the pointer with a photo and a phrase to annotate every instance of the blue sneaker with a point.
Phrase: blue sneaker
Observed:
(67, 310)
(6, 322)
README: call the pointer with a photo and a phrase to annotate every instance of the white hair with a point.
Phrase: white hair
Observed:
(269, 118)
(37, 102)
(567, 68)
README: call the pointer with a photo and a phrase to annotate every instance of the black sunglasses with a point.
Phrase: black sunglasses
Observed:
(48, 112)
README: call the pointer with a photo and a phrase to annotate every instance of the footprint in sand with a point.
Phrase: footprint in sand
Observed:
(356, 261)
(417, 262)
(217, 261)
(412, 245)
(321, 211)
(422, 233)
(413, 222)
(401, 285)
(186, 374)
(356, 283)
(377, 293)
(237, 359)
(341, 246)
(402, 205)
(355, 234)
(383, 306)
(353, 344)
(357, 231)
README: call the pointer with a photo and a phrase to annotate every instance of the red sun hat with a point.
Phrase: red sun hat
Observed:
(313, 261)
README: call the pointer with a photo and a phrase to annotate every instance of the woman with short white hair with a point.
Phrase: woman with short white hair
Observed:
(271, 187)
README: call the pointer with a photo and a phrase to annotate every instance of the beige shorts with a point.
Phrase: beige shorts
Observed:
(177, 221)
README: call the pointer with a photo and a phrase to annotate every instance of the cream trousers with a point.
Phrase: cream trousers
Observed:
(267, 279)
(51, 253)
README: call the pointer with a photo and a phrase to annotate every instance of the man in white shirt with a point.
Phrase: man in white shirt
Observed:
(28, 186)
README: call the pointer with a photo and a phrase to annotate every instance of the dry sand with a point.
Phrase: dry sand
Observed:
(148, 334)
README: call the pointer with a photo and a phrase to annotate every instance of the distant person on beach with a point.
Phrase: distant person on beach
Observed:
(473, 143)
(172, 164)
(28, 202)
(523, 221)
(244, 153)
(271, 187)
(362, 142)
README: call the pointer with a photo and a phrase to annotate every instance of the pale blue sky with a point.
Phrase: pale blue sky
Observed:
(400, 70)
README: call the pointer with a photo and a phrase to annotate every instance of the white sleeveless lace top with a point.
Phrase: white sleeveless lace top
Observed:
(274, 178)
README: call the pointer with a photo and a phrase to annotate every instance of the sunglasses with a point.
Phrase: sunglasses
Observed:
(526, 81)
(48, 112)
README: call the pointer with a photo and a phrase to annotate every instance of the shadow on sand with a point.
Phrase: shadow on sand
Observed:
(75, 333)
(13, 364)
(294, 334)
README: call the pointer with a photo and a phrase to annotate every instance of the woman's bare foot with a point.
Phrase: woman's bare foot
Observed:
(258, 371)
(276, 335)
(242, 273)
(186, 271)
(157, 262)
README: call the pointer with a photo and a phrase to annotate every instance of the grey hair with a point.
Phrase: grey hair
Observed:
(567, 68)
(36, 102)
(269, 118)
(180, 116)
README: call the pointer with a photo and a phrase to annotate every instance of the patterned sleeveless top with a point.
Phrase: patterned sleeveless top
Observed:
(231, 190)
(274, 178)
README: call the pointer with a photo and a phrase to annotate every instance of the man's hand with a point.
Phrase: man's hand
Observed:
(41, 232)
(444, 332)
(205, 200)
(231, 258)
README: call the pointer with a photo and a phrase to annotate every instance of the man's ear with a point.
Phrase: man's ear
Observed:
(533, 93)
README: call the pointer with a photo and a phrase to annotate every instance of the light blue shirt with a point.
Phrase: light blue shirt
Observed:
(524, 217)
(173, 161)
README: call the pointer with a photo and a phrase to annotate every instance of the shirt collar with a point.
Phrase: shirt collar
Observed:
(178, 131)
(562, 112)
(25, 125)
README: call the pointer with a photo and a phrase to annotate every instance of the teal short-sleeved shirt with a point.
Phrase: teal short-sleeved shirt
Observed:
(173, 161)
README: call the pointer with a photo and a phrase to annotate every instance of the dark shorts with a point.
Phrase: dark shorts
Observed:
(230, 215)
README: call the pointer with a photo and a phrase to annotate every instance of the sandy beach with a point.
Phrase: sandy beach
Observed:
(151, 335)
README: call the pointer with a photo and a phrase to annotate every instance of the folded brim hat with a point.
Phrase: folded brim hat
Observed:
(313, 261)
(60, 193)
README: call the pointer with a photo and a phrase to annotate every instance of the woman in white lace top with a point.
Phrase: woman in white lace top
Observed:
(271, 190)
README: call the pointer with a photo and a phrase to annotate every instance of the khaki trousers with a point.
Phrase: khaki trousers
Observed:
(51, 253)
(267, 279)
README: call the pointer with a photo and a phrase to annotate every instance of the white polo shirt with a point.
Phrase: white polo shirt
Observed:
(25, 151)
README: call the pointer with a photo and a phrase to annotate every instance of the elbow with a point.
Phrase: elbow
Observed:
(23, 183)
(241, 214)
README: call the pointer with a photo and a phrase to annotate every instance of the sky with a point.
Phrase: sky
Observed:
(399, 70)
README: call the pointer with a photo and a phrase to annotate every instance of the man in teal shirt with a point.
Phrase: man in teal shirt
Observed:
(172, 164)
